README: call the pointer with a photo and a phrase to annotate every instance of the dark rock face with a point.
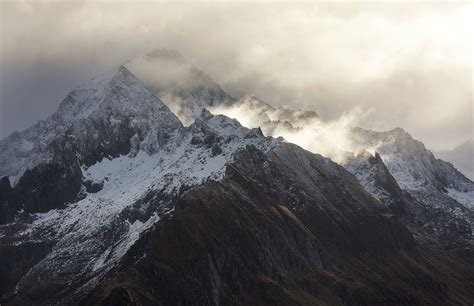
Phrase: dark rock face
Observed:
(442, 221)
(45, 187)
(48, 186)
(93, 187)
(8, 206)
(18, 259)
(326, 198)
(286, 228)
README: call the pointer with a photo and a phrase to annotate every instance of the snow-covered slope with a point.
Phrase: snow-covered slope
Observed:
(121, 209)
(413, 166)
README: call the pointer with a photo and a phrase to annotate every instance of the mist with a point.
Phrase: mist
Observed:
(375, 65)
(329, 138)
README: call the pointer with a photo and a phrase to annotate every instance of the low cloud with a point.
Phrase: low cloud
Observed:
(331, 138)
(409, 64)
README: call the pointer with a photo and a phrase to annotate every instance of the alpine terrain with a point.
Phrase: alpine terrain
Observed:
(137, 191)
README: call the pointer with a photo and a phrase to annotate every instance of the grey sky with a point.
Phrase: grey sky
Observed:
(402, 64)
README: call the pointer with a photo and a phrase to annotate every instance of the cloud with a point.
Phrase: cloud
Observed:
(410, 63)
(333, 138)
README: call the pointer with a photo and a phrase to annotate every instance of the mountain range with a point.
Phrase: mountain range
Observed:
(138, 191)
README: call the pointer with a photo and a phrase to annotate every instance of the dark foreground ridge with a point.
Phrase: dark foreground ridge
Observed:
(284, 228)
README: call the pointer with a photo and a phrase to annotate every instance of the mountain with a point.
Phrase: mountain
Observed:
(429, 195)
(438, 197)
(411, 163)
(433, 194)
(461, 156)
(184, 88)
(284, 227)
(113, 143)
(113, 201)
(104, 118)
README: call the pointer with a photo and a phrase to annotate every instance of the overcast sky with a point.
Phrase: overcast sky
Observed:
(401, 64)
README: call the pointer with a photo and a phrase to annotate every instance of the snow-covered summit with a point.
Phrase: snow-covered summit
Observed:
(408, 160)
(440, 197)
(99, 114)
(116, 92)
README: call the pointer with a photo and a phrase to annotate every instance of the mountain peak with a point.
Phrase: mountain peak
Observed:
(184, 88)
(123, 73)
(119, 86)
(398, 131)
(100, 117)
